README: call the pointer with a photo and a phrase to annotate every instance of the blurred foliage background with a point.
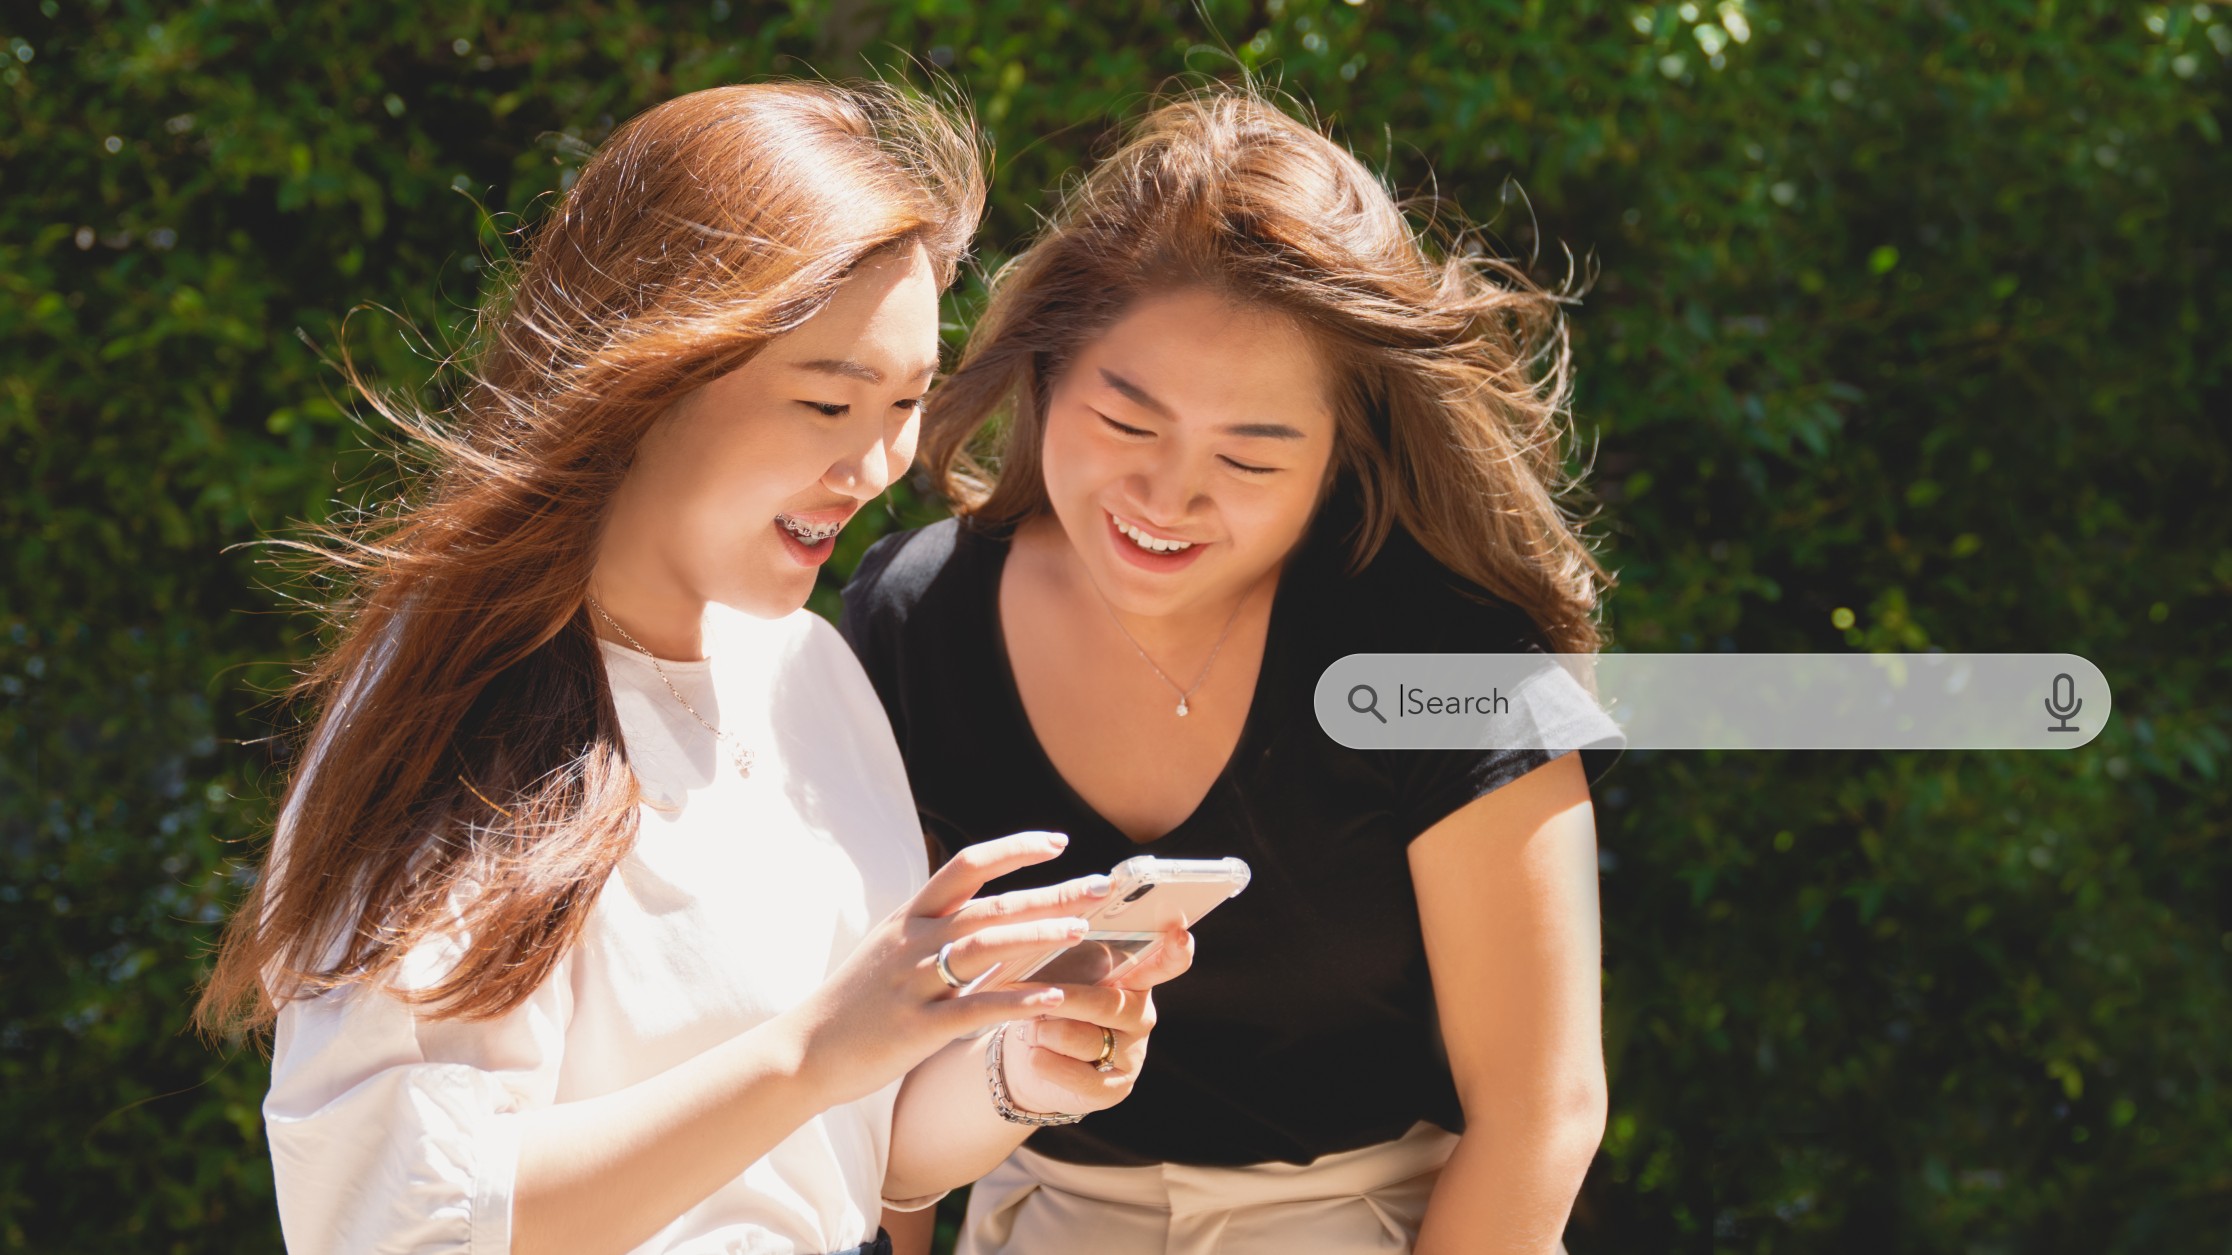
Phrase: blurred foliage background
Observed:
(1908, 330)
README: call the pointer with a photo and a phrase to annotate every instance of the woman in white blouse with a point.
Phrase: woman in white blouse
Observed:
(598, 918)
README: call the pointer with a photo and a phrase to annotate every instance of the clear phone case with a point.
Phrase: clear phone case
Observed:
(1147, 896)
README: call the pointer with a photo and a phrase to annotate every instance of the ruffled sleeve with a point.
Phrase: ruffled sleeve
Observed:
(396, 1134)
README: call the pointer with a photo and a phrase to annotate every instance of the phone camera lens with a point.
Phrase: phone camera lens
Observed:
(1141, 892)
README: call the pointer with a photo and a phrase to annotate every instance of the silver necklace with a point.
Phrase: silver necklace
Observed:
(738, 752)
(1185, 695)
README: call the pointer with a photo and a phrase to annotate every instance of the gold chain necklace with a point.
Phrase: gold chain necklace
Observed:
(738, 752)
(1185, 695)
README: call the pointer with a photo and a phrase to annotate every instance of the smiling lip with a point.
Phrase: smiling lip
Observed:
(812, 552)
(838, 514)
(1145, 559)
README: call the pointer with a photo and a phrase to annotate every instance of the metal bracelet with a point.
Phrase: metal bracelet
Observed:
(995, 1076)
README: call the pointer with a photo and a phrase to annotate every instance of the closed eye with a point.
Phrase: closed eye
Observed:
(827, 409)
(1124, 428)
(1247, 469)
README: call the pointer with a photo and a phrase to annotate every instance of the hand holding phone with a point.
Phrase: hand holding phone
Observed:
(1148, 896)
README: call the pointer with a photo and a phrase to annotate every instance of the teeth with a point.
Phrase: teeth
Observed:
(809, 533)
(1150, 543)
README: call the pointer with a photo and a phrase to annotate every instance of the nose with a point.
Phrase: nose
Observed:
(1167, 487)
(861, 476)
(867, 471)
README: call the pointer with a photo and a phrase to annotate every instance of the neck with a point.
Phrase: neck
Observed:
(1186, 632)
(663, 617)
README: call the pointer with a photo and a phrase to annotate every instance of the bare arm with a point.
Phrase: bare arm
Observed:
(604, 1174)
(1507, 895)
(946, 1132)
(911, 1231)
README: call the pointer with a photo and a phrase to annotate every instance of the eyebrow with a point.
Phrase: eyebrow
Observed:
(849, 369)
(1139, 396)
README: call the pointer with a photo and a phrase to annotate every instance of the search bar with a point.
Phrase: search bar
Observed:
(1713, 701)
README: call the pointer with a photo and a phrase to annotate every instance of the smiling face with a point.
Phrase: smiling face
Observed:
(737, 495)
(1186, 450)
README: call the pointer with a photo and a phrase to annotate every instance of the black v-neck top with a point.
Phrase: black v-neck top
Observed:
(1307, 1024)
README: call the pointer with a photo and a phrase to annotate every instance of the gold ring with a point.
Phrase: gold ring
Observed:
(1107, 1061)
(945, 967)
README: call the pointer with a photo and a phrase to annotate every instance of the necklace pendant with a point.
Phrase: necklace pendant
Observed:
(1181, 708)
(743, 759)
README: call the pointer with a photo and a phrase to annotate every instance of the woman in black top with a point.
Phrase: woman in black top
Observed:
(1254, 429)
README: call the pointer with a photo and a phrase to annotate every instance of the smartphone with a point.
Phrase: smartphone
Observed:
(1146, 896)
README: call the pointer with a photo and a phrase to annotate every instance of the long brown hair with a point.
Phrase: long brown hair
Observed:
(1454, 372)
(464, 778)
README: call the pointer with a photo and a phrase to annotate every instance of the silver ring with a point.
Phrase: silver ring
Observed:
(1107, 1061)
(945, 967)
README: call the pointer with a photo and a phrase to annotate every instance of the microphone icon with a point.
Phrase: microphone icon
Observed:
(2061, 707)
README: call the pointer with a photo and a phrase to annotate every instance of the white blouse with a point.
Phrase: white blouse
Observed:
(394, 1133)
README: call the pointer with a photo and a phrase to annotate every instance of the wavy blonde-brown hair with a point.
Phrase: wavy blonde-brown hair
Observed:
(464, 776)
(1453, 371)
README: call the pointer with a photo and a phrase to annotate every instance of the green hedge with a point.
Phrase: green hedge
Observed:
(1908, 330)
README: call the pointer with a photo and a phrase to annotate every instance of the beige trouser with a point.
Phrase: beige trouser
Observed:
(1351, 1203)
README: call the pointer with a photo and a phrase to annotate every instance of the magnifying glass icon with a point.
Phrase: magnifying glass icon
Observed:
(1371, 702)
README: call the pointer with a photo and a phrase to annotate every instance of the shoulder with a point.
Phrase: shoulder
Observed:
(1406, 601)
(796, 645)
(817, 694)
(839, 692)
(927, 572)
(832, 729)
(898, 569)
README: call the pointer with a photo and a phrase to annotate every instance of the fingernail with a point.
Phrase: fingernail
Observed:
(1075, 927)
(1048, 998)
(1057, 840)
(1097, 884)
